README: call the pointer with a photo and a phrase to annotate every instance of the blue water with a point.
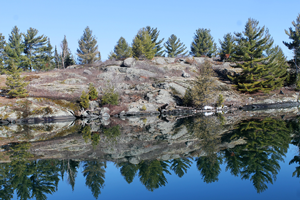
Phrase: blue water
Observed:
(190, 186)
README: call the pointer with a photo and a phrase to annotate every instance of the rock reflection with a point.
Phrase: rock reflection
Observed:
(251, 149)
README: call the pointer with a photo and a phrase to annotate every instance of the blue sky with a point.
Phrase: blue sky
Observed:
(109, 20)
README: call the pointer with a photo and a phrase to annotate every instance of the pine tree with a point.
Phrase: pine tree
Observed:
(2, 53)
(64, 51)
(88, 49)
(174, 47)
(15, 48)
(93, 92)
(227, 46)
(57, 59)
(15, 84)
(294, 35)
(47, 62)
(69, 60)
(34, 47)
(84, 100)
(154, 37)
(203, 44)
(121, 51)
(142, 46)
(260, 72)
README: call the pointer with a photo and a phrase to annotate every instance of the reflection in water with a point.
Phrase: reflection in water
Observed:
(257, 159)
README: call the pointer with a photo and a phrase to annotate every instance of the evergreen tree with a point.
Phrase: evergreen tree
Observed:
(203, 44)
(15, 48)
(69, 60)
(34, 47)
(84, 100)
(47, 57)
(57, 59)
(88, 49)
(260, 72)
(294, 35)
(142, 46)
(227, 47)
(154, 38)
(15, 84)
(93, 94)
(121, 51)
(180, 166)
(128, 171)
(174, 47)
(2, 53)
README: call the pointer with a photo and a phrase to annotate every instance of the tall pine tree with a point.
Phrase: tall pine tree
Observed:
(294, 45)
(15, 48)
(154, 33)
(260, 72)
(227, 46)
(34, 48)
(142, 46)
(121, 51)
(174, 47)
(88, 49)
(2, 53)
(203, 44)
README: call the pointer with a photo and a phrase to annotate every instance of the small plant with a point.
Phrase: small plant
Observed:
(220, 100)
(93, 92)
(144, 108)
(110, 96)
(84, 100)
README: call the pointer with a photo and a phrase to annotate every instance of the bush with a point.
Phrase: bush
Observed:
(220, 100)
(110, 96)
(84, 100)
(144, 108)
(93, 92)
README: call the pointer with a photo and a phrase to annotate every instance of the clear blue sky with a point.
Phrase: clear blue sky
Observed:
(109, 20)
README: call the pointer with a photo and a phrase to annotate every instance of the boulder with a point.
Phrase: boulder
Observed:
(88, 72)
(185, 75)
(93, 105)
(179, 89)
(164, 97)
(159, 61)
(129, 62)
(72, 81)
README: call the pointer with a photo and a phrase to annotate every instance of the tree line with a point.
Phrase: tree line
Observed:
(264, 65)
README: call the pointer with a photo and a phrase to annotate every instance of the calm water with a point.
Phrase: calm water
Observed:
(254, 158)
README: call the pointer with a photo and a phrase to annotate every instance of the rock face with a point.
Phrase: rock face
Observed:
(129, 62)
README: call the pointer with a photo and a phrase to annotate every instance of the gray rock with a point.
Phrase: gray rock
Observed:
(159, 60)
(123, 69)
(105, 116)
(161, 85)
(179, 89)
(93, 105)
(185, 75)
(164, 97)
(200, 60)
(129, 62)
(112, 69)
(134, 160)
(72, 81)
(170, 60)
(104, 110)
(87, 72)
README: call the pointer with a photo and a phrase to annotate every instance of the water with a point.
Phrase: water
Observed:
(216, 157)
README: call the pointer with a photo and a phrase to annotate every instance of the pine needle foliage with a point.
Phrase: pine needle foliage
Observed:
(2, 53)
(88, 49)
(142, 46)
(261, 72)
(154, 33)
(93, 94)
(84, 100)
(227, 47)
(121, 51)
(174, 47)
(203, 44)
(110, 96)
(15, 84)
(202, 89)
(294, 45)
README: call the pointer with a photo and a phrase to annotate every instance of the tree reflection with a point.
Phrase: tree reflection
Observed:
(152, 173)
(94, 172)
(180, 166)
(209, 167)
(258, 160)
(128, 171)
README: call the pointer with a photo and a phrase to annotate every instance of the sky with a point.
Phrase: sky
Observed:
(110, 20)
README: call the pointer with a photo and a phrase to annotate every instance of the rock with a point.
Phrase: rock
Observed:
(159, 60)
(87, 72)
(71, 67)
(112, 69)
(122, 69)
(105, 116)
(170, 60)
(93, 105)
(104, 110)
(178, 89)
(185, 75)
(72, 81)
(200, 60)
(281, 92)
(129, 62)
(134, 160)
(122, 113)
(164, 97)
(161, 85)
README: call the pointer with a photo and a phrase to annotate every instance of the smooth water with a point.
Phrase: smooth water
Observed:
(216, 165)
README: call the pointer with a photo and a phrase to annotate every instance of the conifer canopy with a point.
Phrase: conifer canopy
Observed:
(142, 46)
(174, 47)
(88, 49)
(154, 33)
(203, 44)
(121, 51)
(227, 46)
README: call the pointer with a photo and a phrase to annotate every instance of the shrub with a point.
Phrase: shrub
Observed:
(144, 108)
(93, 92)
(220, 100)
(84, 100)
(110, 96)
